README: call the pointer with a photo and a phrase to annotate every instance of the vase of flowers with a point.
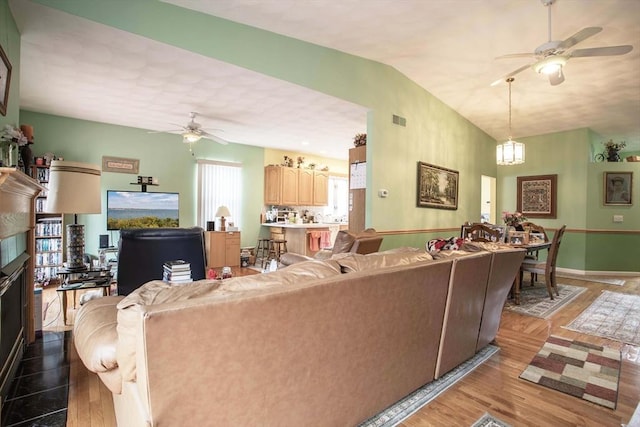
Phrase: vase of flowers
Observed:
(513, 219)
(11, 139)
(613, 150)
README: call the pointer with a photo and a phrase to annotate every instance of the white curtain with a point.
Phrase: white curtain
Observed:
(219, 183)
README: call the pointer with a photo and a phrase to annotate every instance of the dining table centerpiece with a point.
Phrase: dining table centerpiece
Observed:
(513, 219)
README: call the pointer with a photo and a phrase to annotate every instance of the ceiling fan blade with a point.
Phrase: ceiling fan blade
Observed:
(165, 131)
(511, 74)
(581, 35)
(602, 51)
(214, 138)
(556, 78)
(515, 55)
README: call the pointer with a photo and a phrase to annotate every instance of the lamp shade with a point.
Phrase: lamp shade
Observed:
(74, 188)
(223, 211)
(510, 153)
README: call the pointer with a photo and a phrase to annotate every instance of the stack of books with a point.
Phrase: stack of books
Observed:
(177, 271)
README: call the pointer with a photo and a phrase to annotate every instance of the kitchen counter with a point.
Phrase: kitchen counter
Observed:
(297, 235)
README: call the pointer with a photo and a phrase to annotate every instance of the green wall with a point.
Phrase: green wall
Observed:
(162, 156)
(10, 42)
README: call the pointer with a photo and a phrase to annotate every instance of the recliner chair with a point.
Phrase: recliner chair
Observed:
(143, 251)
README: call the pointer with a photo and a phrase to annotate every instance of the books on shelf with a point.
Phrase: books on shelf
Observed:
(176, 271)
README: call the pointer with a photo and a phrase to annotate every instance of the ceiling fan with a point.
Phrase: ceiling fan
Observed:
(551, 57)
(193, 132)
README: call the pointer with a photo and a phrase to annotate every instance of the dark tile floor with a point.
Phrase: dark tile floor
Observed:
(39, 392)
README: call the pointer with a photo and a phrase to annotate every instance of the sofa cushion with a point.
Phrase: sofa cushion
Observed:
(156, 292)
(356, 262)
(344, 241)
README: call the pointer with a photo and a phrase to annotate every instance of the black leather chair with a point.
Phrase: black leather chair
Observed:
(143, 251)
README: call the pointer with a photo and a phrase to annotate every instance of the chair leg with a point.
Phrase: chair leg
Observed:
(547, 281)
(554, 282)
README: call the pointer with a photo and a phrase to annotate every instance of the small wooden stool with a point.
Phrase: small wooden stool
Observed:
(262, 250)
(276, 248)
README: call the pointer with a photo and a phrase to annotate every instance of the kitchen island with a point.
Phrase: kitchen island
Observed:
(306, 238)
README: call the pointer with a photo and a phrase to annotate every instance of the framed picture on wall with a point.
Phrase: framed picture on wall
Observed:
(5, 81)
(437, 187)
(537, 196)
(617, 188)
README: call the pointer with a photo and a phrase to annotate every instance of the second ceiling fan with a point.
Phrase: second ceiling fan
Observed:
(551, 57)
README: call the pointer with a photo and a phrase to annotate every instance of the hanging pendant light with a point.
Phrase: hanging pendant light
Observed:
(510, 152)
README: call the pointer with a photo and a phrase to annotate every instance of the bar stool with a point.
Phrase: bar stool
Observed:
(276, 248)
(262, 250)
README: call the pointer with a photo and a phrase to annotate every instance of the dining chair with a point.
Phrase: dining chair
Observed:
(481, 233)
(547, 267)
(538, 229)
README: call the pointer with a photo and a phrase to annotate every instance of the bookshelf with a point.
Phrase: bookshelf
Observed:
(48, 234)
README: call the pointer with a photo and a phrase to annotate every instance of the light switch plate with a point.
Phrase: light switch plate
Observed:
(618, 218)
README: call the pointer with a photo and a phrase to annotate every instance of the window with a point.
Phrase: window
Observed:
(219, 183)
(338, 197)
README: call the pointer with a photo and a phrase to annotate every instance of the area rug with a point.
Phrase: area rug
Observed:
(535, 301)
(410, 404)
(612, 315)
(583, 370)
(488, 420)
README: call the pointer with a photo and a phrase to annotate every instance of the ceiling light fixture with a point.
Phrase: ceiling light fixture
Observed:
(510, 152)
(550, 65)
(190, 137)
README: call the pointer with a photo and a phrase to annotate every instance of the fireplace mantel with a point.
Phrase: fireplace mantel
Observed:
(17, 194)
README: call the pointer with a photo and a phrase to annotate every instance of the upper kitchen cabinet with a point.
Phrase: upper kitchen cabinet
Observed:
(287, 186)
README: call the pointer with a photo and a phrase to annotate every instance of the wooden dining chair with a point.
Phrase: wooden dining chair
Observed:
(538, 229)
(481, 233)
(548, 267)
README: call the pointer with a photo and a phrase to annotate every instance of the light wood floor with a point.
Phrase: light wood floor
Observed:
(493, 387)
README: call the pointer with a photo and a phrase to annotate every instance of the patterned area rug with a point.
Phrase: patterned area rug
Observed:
(404, 408)
(612, 315)
(535, 301)
(488, 420)
(583, 370)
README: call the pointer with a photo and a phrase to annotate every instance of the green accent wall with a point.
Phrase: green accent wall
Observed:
(10, 42)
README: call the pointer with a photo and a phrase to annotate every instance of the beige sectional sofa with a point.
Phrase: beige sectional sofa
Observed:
(327, 343)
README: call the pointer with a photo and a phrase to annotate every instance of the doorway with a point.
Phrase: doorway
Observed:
(488, 199)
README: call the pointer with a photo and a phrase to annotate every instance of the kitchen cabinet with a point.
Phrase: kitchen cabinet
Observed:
(222, 248)
(285, 186)
(320, 188)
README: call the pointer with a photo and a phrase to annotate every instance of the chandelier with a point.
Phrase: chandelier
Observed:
(510, 152)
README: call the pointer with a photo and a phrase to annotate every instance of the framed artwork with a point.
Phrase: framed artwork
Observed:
(617, 188)
(537, 196)
(437, 187)
(120, 165)
(5, 81)
(517, 238)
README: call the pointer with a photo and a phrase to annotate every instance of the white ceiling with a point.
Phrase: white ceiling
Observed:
(77, 68)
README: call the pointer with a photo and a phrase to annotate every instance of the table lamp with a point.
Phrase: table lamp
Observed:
(74, 188)
(222, 212)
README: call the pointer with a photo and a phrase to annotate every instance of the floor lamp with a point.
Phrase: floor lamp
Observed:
(74, 188)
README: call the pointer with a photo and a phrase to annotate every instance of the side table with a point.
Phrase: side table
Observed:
(89, 279)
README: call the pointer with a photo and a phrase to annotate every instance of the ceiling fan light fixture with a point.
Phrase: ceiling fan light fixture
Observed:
(190, 137)
(550, 65)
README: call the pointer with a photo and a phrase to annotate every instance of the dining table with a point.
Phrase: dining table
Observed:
(531, 248)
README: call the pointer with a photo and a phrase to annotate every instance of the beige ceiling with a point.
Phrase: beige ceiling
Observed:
(77, 68)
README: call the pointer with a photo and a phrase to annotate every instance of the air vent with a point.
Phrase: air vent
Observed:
(401, 121)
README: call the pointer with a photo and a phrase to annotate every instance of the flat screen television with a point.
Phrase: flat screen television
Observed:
(136, 209)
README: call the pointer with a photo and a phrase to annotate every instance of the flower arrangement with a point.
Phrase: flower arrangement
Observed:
(300, 161)
(513, 219)
(360, 139)
(614, 146)
(11, 135)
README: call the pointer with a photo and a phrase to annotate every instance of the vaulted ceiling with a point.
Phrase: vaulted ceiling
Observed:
(77, 68)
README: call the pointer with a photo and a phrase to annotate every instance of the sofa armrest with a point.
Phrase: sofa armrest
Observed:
(95, 335)
(289, 258)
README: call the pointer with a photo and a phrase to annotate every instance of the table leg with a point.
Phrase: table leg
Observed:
(64, 307)
(105, 291)
(516, 288)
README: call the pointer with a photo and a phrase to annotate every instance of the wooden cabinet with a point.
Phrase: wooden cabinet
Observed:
(320, 188)
(287, 186)
(223, 248)
(305, 187)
